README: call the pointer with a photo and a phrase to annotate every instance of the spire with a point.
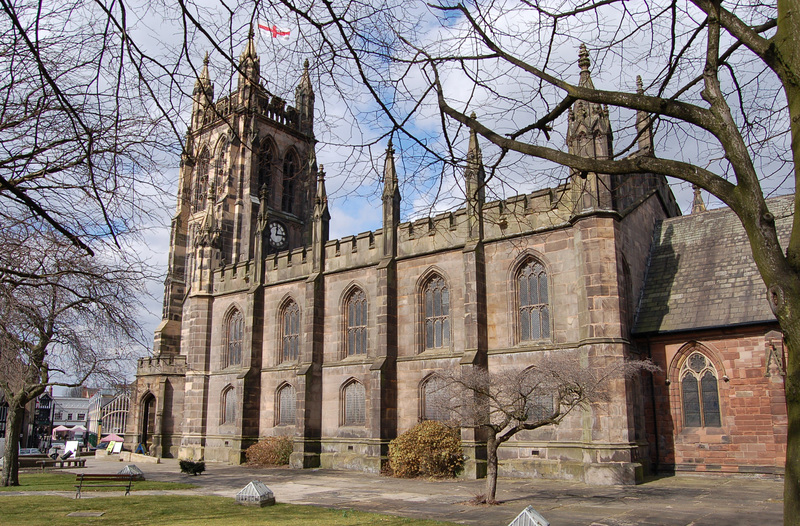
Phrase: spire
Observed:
(643, 126)
(304, 101)
(391, 204)
(474, 186)
(584, 63)
(321, 221)
(249, 65)
(390, 186)
(203, 82)
(589, 131)
(697, 204)
(474, 175)
(203, 96)
(321, 199)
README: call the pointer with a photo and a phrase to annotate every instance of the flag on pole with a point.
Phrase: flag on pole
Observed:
(274, 31)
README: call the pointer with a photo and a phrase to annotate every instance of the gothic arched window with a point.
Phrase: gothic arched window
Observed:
(287, 406)
(534, 310)
(290, 332)
(699, 392)
(220, 172)
(354, 408)
(234, 335)
(437, 313)
(290, 170)
(200, 187)
(357, 323)
(266, 165)
(434, 399)
(228, 406)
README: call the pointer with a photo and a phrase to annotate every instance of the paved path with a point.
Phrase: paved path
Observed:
(685, 500)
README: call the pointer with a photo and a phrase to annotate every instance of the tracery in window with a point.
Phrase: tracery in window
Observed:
(290, 343)
(234, 334)
(534, 310)
(287, 405)
(354, 408)
(699, 392)
(357, 323)
(437, 313)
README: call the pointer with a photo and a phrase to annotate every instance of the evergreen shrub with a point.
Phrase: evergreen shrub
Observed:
(429, 449)
(270, 451)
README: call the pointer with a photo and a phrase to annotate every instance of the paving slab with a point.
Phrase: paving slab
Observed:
(664, 501)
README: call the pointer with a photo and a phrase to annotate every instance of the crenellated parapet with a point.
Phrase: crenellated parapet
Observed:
(233, 277)
(161, 365)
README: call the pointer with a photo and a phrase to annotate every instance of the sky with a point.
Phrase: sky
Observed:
(347, 117)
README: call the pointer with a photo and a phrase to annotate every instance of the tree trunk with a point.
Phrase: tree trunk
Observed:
(791, 493)
(11, 455)
(491, 468)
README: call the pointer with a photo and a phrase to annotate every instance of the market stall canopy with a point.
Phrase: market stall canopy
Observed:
(112, 438)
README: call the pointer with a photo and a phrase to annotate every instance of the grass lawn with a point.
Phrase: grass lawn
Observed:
(179, 509)
(66, 482)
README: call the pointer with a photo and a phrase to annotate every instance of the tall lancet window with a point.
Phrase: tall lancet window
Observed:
(437, 313)
(290, 172)
(200, 187)
(290, 332)
(357, 323)
(234, 339)
(534, 310)
(266, 163)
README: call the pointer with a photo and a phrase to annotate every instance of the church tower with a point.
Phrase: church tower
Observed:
(247, 192)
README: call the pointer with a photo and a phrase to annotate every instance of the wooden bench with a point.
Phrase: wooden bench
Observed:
(90, 480)
(69, 462)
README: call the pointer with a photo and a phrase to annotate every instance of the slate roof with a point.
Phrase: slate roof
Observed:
(701, 273)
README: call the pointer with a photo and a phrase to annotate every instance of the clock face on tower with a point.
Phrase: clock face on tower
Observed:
(278, 237)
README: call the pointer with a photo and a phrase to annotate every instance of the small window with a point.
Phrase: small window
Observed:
(534, 311)
(437, 313)
(291, 332)
(81, 416)
(355, 409)
(699, 392)
(357, 323)
(234, 339)
(287, 406)
(435, 405)
(58, 416)
(229, 406)
(69, 416)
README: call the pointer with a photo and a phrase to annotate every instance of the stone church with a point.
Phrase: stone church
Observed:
(271, 328)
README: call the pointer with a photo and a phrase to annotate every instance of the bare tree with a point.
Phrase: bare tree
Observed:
(505, 402)
(66, 317)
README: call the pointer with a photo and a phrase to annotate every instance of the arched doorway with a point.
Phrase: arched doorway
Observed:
(148, 420)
